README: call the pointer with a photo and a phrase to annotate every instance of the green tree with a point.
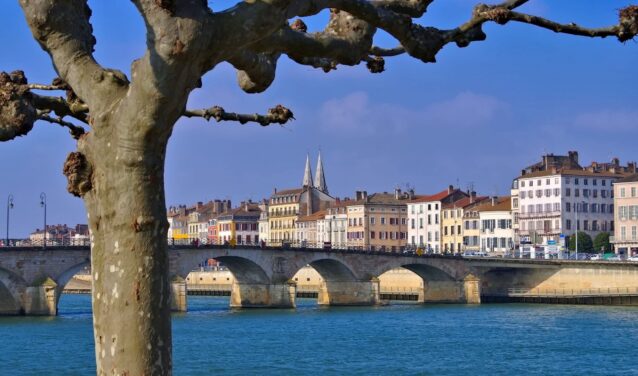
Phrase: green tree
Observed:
(126, 122)
(585, 244)
(601, 243)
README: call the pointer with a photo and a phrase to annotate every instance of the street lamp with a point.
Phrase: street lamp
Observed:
(9, 207)
(43, 203)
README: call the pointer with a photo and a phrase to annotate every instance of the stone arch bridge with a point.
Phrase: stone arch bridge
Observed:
(32, 279)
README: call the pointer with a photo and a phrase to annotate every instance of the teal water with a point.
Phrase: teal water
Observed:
(391, 340)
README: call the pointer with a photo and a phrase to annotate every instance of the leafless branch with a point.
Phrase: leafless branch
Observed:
(75, 130)
(276, 115)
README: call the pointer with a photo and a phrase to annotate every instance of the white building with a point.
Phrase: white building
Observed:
(333, 228)
(558, 197)
(424, 218)
(495, 219)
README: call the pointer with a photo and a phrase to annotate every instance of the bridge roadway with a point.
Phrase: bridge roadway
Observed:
(32, 279)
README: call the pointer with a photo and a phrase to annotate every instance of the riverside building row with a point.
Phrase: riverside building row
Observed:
(549, 202)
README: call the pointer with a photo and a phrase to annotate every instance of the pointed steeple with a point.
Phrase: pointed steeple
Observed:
(307, 175)
(320, 179)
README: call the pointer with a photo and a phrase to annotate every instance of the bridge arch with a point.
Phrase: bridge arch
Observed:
(63, 278)
(12, 288)
(245, 270)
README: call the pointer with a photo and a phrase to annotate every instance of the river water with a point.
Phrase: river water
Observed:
(400, 339)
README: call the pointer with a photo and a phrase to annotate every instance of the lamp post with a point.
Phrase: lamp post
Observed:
(9, 207)
(43, 203)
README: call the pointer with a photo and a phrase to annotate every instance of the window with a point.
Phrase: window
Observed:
(539, 193)
(556, 192)
(557, 206)
(577, 192)
(548, 208)
(568, 192)
(531, 183)
(420, 222)
(522, 183)
(595, 193)
(548, 193)
(633, 191)
(372, 220)
(547, 182)
(595, 181)
(575, 181)
(622, 192)
(383, 220)
(585, 181)
(412, 223)
(522, 194)
(568, 224)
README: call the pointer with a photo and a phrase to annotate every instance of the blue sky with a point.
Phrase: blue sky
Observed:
(478, 115)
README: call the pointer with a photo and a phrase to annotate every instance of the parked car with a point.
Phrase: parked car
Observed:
(633, 258)
(613, 258)
(596, 258)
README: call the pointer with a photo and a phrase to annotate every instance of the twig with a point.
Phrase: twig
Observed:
(278, 115)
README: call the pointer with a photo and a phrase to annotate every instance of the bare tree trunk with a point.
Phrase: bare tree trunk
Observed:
(127, 216)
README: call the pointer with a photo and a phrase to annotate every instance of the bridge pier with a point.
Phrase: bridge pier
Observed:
(263, 295)
(466, 291)
(179, 300)
(350, 293)
(41, 299)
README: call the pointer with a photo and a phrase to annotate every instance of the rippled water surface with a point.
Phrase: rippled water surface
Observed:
(397, 339)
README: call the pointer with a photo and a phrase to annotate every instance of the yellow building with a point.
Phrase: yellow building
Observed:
(452, 227)
(285, 207)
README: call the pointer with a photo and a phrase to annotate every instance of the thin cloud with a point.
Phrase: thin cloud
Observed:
(608, 120)
(357, 113)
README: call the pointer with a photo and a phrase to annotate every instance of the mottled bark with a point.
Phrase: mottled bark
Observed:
(118, 168)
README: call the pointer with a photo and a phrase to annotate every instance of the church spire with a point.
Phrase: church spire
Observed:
(320, 179)
(307, 175)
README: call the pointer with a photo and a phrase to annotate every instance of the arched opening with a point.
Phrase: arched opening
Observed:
(331, 282)
(421, 283)
(210, 285)
(401, 285)
(73, 290)
(11, 286)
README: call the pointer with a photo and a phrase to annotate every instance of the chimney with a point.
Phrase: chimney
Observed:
(199, 205)
(573, 156)
(450, 189)
(472, 197)
(411, 194)
(631, 167)
(615, 162)
(493, 200)
(397, 193)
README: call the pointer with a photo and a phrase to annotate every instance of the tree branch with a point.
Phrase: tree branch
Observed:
(276, 115)
(63, 30)
(74, 130)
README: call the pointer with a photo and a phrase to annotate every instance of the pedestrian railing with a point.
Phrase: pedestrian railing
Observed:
(209, 287)
(606, 291)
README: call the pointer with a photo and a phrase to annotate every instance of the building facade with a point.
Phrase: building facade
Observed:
(625, 237)
(452, 217)
(239, 225)
(557, 197)
(496, 232)
(378, 221)
(424, 218)
(285, 207)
